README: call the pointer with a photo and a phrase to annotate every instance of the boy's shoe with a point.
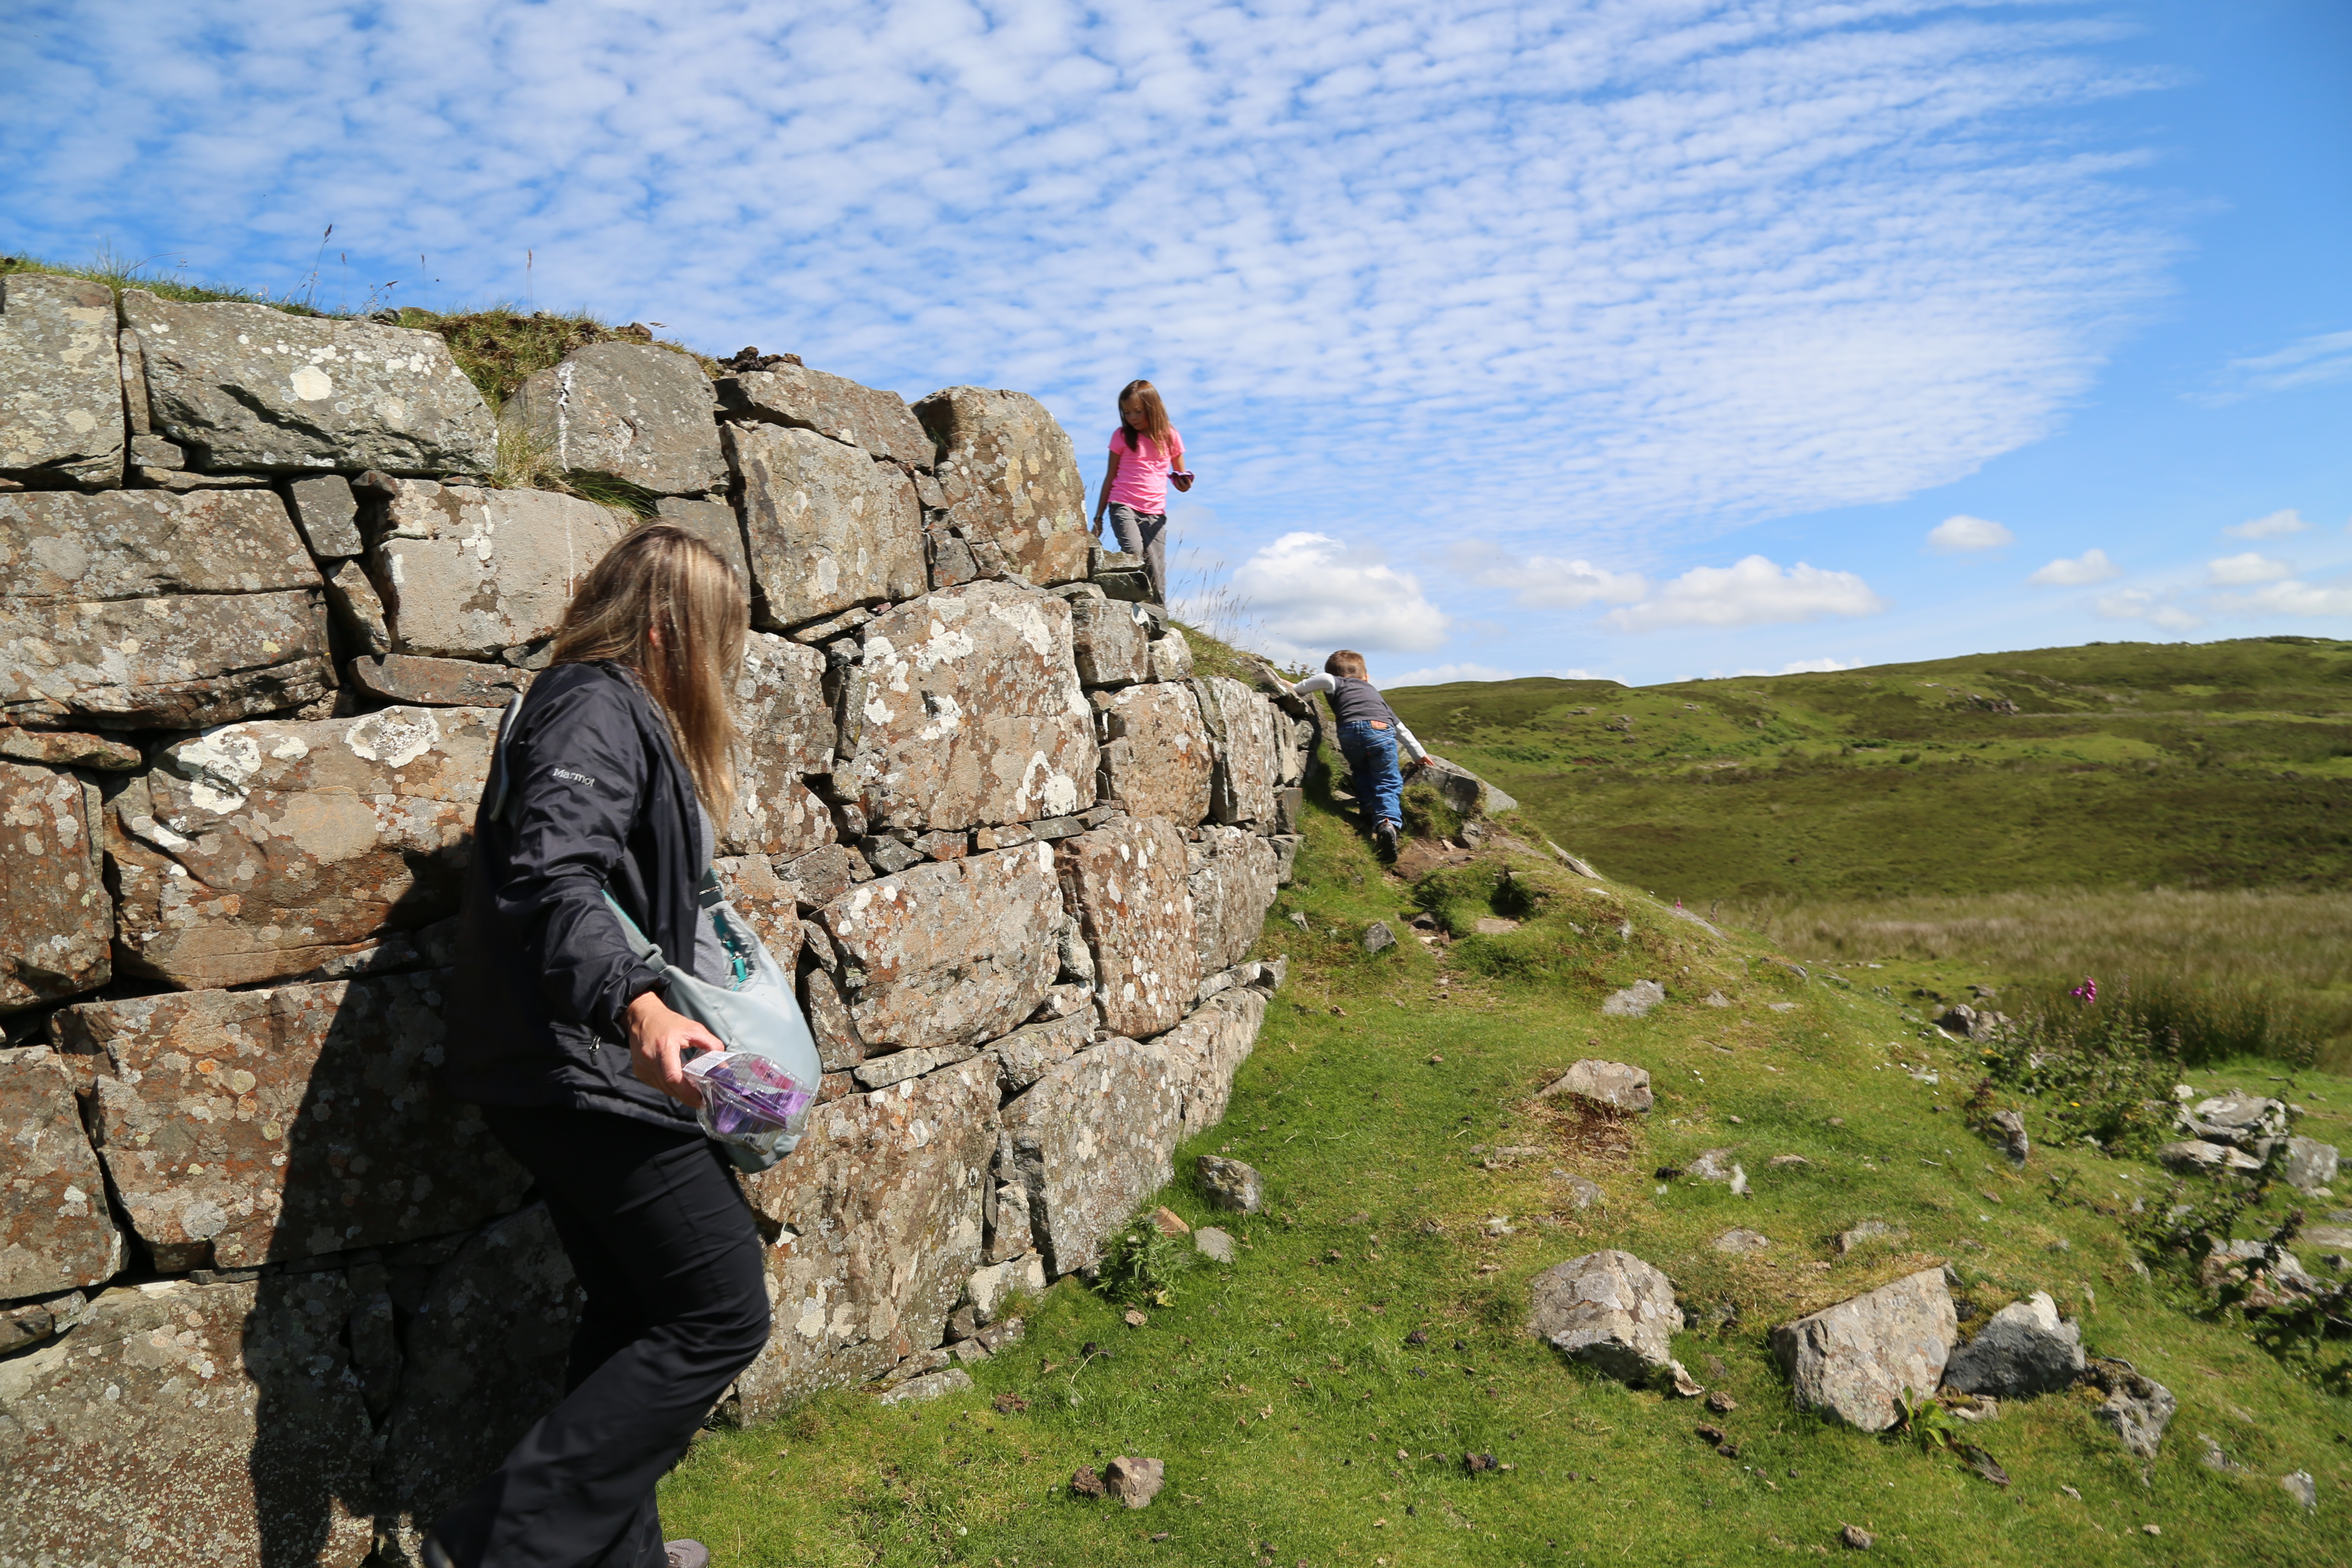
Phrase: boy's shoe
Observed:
(1384, 839)
(687, 1554)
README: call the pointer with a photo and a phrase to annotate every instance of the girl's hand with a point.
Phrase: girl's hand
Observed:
(659, 1041)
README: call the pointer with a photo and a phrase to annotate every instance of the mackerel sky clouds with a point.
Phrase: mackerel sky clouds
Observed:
(1648, 338)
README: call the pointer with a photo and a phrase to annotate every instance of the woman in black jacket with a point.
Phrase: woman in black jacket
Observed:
(610, 782)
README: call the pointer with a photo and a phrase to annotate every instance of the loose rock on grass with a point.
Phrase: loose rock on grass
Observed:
(1231, 1185)
(2024, 1350)
(1608, 1309)
(1857, 1359)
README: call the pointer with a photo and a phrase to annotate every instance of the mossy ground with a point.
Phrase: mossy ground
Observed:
(1298, 1425)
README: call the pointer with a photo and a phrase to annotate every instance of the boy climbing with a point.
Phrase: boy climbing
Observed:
(1370, 733)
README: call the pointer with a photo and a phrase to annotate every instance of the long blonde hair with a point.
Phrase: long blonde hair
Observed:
(1154, 414)
(665, 605)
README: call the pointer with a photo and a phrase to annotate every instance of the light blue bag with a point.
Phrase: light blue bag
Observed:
(757, 1093)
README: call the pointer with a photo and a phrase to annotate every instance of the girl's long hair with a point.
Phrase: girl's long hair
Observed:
(1152, 412)
(666, 606)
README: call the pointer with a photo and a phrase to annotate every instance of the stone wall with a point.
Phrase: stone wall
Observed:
(267, 1296)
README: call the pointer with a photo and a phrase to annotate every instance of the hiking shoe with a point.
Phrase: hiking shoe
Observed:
(687, 1553)
(1384, 839)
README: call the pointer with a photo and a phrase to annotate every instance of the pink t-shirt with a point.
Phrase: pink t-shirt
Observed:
(1142, 482)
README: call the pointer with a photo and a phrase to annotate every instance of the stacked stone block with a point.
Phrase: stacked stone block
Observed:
(266, 1294)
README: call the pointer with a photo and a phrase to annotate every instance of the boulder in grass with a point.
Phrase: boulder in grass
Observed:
(1635, 1001)
(1609, 1310)
(2248, 1121)
(2138, 1407)
(2024, 1350)
(1860, 1357)
(1464, 791)
(2310, 1164)
(1231, 1185)
(1606, 1083)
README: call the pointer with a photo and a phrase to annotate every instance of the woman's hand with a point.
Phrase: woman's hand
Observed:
(659, 1041)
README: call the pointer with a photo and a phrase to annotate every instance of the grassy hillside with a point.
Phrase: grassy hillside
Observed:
(2113, 765)
(1314, 1402)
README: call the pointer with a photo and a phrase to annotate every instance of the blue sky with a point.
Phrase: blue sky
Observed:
(1644, 338)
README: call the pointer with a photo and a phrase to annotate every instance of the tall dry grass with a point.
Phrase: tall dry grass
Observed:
(2265, 974)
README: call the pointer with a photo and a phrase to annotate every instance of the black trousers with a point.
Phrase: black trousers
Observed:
(662, 1243)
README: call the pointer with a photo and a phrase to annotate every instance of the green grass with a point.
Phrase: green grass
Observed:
(1282, 1393)
(2126, 765)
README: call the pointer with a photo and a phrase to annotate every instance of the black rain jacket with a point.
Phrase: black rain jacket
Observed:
(599, 802)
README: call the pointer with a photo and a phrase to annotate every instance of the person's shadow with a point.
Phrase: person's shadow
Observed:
(412, 1309)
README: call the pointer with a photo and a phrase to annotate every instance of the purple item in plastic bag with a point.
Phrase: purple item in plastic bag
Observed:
(745, 1095)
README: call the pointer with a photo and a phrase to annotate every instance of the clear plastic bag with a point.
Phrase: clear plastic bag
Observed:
(751, 1098)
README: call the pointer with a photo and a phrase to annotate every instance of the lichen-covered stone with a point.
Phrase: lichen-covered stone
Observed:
(966, 711)
(56, 1231)
(1240, 723)
(182, 1424)
(173, 662)
(713, 522)
(2026, 1349)
(55, 922)
(259, 851)
(60, 382)
(1858, 1358)
(65, 749)
(1163, 763)
(467, 572)
(1126, 880)
(1608, 1309)
(1029, 1053)
(766, 903)
(247, 1127)
(880, 1216)
(832, 406)
(1234, 873)
(406, 678)
(359, 609)
(953, 953)
(828, 526)
(1607, 1083)
(1011, 480)
(632, 412)
(1090, 1139)
(1207, 1048)
(787, 732)
(1112, 642)
(483, 1359)
(252, 389)
(57, 547)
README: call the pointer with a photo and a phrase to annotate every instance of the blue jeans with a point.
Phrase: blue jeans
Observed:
(1371, 756)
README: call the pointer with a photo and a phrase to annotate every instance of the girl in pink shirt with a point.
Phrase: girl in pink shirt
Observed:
(1146, 453)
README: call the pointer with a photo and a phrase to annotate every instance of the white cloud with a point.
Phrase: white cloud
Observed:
(2091, 566)
(2235, 571)
(1955, 535)
(2139, 604)
(1311, 593)
(2271, 525)
(2308, 361)
(1753, 592)
(1546, 582)
(1688, 262)
(1814, 667)
(2293, 599)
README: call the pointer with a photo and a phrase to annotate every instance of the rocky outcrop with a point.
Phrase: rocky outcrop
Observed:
(868, 418)
(953, 953)
(878, 1228)
(1010, 478)
(261, 852)
(1128, 882)
(1464, 791)
(1858, 1358)
(60, 382)
(56, 1231)
(2024, 1350)
(1605, 1083)
(248, 387)
(966, 709)
(631, 411)
(53, 899)
(1608, 1310)
(2310, 1164)
(828, 526)
(181, 1423)
(467, 573)
(246, 1127)
(143, 608)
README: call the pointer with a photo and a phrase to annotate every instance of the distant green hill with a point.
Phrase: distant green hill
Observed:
(2114, 765)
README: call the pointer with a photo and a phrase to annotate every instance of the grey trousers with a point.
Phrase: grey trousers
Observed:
(1144, 533)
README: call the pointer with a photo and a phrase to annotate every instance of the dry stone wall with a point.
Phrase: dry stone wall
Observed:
(271, 1296)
